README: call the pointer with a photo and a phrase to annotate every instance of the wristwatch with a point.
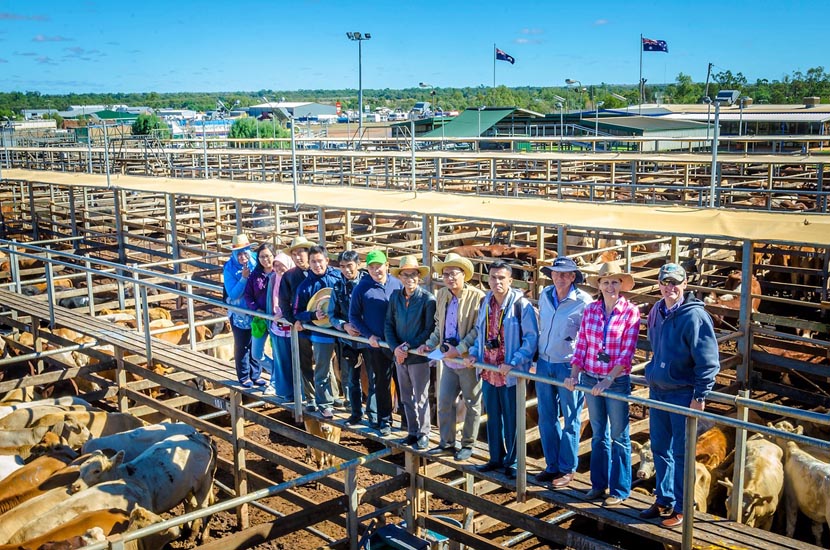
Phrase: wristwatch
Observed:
(700, 399)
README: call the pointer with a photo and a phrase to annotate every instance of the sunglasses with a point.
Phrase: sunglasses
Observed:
(667, 282)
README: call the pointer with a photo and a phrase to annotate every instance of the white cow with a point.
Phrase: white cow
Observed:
(179, 468)
(763, 485)
(19, 442)
(56, 401)
(806, 488)
(134, 442)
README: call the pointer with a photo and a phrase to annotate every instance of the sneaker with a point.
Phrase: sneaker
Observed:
(674, 520)
(311, 407)
(327, 412)
(563, 480)
(464, 453)
(260, 382)
(411, 439)
(422, 443)
(246, 383)
(353, 420)
(657, 511)
(270, 391)
(441, 450)
(385, 430)
(612, 501)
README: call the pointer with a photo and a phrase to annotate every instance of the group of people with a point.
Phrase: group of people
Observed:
(574, 339)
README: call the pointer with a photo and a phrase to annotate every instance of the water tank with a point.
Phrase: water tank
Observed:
(812, 101)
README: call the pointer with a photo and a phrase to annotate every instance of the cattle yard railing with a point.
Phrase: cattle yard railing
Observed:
(168, 283)
(779, 182)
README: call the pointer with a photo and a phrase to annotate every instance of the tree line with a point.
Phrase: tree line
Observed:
(789, 89)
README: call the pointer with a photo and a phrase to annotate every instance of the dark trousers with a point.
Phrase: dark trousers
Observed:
(247, 368)
(379, 363)
(307, 368)
(349, 359)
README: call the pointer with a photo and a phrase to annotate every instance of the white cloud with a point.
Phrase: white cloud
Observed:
(42, 38)
(599, 22)
(532, 31)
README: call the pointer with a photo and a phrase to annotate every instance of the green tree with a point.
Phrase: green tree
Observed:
(147, 124)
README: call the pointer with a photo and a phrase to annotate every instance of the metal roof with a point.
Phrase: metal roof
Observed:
(472, 123)
(732, 116)
(645, 123)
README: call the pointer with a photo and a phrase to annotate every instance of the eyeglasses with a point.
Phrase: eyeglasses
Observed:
(667, 282)
(451, 274)
(410, 275)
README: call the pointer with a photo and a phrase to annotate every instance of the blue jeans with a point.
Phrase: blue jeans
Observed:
(323, 395)
(500, 406)
(282, 376)
(668, 443)
(247, 368)
(560, 444)
(610, 442)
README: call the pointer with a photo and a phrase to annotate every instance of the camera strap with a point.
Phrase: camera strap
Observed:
(501, 319)
(605, 328)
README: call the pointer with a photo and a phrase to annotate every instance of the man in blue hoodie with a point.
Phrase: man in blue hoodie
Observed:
(681, 372)
(320, 276)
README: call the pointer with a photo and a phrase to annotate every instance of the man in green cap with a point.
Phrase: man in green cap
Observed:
(367, 313)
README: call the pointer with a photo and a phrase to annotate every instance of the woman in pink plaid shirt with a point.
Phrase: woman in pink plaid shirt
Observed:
(603, 354)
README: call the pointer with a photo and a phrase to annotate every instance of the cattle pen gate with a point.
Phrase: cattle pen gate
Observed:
(146, 241)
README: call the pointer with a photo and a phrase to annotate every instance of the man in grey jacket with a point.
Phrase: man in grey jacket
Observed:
(560, 311)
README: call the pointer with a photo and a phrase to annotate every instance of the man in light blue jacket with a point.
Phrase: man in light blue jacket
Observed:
(560, 310)
(508, 332)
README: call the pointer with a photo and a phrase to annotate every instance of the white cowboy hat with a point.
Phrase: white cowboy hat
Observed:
(410, 262)
(455, 260)
(240, 242)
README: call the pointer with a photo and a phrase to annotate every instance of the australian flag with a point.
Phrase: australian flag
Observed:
(502, 56)
(650, 45)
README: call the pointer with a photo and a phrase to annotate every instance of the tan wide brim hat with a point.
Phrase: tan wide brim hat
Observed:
(299, 242)
(455, 260)
(410, 262)
(609, 270)
(320, 300)
(240, 242)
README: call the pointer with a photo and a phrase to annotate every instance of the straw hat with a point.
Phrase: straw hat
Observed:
(612, 269)
(455, 260)
(320, 300)
(410, 262)
(240, 242)
(299, 242)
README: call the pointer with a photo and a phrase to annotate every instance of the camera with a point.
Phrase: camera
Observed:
(492, 343)
(405, 346)
(603, 357)
(445, 346)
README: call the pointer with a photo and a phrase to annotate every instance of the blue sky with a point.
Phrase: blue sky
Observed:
(61, 46)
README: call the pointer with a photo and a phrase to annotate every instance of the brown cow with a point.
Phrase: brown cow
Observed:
(31, 480)
(733, 301)
(326, 431)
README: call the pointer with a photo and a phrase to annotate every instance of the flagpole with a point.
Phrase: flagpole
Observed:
(640, 82)
(494, 64)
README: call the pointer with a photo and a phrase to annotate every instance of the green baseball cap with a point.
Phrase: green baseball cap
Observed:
(376, 257)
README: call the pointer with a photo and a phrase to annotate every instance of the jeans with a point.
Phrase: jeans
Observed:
(379, 363)
(258, 353)
(414, 382)
(559, 444)
(323, 352)
(610, 443)
(668, 443)
(247, 368)
(500, 406)
(282, 375)
(469, 384)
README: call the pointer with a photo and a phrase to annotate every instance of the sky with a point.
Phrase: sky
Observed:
(63, 46)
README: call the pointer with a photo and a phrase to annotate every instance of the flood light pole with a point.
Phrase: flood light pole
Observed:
(359, 38)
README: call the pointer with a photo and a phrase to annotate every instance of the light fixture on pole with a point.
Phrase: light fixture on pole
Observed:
(621, 98)
(560, 104)
(359, 38)
(571, 82)
(596, 122)
(725, 97)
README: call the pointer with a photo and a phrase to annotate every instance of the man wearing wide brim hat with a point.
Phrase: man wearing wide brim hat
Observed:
(612, 270)
(457, 305)
(560, 313)
(409, 322)
(320, 303)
